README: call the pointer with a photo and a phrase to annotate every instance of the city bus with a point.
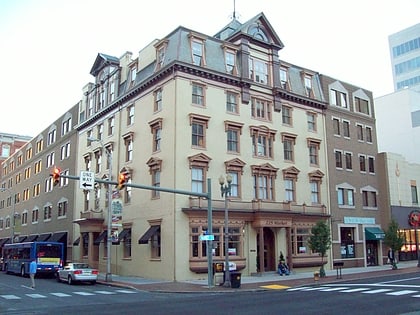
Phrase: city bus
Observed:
(18, 256)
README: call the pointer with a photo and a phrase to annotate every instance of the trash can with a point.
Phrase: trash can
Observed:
(235, 279)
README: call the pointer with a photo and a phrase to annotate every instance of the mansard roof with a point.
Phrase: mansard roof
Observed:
(101, 61)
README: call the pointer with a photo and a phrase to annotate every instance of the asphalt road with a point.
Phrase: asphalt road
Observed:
(384, 295)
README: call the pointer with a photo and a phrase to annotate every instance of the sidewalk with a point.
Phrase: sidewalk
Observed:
(268, 280)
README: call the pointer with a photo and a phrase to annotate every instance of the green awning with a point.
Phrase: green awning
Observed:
(374, 233)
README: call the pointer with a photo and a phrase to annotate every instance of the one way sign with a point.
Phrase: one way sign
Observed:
(87, 180)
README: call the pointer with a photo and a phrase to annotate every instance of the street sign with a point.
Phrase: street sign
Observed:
(87, 180)
(207, 237)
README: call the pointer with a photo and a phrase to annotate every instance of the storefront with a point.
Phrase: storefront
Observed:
(408, 219)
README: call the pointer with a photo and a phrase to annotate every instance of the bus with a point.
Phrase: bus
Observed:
(49, 257)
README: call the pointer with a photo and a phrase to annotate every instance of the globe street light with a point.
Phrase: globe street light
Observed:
(12, 217)
(108, 276)
(226, 191)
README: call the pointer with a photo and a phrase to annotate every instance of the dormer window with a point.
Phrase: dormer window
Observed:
(230, 61)
(160, 53)
(197, 52)
(283, 78)
(133, 74)
(308, 84)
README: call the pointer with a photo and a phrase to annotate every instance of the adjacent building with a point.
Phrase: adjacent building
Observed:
(10, 143)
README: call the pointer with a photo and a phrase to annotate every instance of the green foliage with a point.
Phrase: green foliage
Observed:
(281, 257)
(320, 242)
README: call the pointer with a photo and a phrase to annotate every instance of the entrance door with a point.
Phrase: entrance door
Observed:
(269, 251)
(372, 253)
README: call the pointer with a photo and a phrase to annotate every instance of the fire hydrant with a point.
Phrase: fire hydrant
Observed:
(316, 275)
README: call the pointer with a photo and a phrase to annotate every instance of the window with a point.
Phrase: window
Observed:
(347, 242)
(284, 78)
(156, 129)
(346, 128)
(233, 132)
(230, 61)
(111, 126)
(133, 75)
(198, 94)
(235, 169)
(36, 190)
(262, 141)
(197, 179)
(359, 132)
(47, 212)
(338, 98)
(127, 242)
(158, 100)
(48, 185)
(313, 145)
(345, 196)
(338, 159)
(62, 208)
(155, 167)
(129, 143)
(197, 50)
(348, 156)
(311, 119)
(100, 131)
(300, 237)
(289, 190)
(232, 102)
(128, 192)
(308, 85)
(28, 153)
(264, 181)
(98, 158)
(38, 168)
(199, 125)
(369, 134)
(155, 244)
(371, 164)
(369, 199)
(39, 146)
(160, 56)
(288, 146)
(315, 181)
(130, 115)
(336, 126)
(65, 151)
(362, 163)
(286, 115)
(362, 106)
(414, 195)
(258, 71)
(66, 126)
(50, 159)
(24, 220)
(51, 137)
(35, 215)
(261, 109)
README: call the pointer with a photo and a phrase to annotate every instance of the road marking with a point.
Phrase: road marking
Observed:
(104, 292)
(355, 290)
(60, 294)
(315, 288)
(402, 292)
(84, 293)
(275, 287)
(126, 291)
(377, 291)
(10, 297)
(36, 296)
(298, 288)
(333, 289)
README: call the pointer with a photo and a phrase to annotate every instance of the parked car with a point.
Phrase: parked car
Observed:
(77, 272)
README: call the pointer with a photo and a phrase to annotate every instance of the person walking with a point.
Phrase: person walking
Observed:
(391, 257)
(32, 272)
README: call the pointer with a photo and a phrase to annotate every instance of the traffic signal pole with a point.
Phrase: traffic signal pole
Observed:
(181, 192)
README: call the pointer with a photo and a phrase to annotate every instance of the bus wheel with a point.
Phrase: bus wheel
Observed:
(22, 271)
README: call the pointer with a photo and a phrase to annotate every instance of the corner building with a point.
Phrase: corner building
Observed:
(191, 107)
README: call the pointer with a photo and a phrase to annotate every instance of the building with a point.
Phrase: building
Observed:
(191, 107)
(404, 49)
(401, 110)
(399, 181)
(41, 211)
(353, 175)
(10, 143)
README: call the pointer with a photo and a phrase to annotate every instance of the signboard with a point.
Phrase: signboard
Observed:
(207, 237)
(87, 180)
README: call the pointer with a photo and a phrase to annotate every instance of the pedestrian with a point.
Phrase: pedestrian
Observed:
(32, 272)
(391, 257)
(283, 269)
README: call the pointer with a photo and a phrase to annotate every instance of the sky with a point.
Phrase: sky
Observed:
(48, 47)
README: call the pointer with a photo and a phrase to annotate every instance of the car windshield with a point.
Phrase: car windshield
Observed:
(81, 266)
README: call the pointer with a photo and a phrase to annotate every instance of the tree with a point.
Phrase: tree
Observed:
(320, 242)
(394, 239)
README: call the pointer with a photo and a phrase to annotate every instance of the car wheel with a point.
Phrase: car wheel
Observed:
(22, 271)
(69, 280)
(58, 278)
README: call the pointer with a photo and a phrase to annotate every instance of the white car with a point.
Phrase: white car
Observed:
(77, 272)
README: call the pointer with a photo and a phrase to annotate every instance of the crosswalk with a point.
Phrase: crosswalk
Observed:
(64, 295)
(391, 291)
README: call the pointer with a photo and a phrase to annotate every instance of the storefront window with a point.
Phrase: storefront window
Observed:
(347, 242)
(300, 238)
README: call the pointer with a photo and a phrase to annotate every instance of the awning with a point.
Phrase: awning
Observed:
(4, 241)
(32, 237)
(43, 237)
(100, 238)
(374, 233)
(76, 241)
(21, 238)
(58, 237)
(121, 236)
(149, 233)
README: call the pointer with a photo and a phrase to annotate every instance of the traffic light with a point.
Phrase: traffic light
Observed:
(56, 176)
(122, 180)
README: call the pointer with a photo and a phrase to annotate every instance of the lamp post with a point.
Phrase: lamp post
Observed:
(108, 276)
(226, 191)
(12, 217)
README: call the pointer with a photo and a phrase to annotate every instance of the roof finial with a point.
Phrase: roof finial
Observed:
(234, 10)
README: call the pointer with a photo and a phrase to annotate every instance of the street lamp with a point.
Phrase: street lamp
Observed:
(226, 191)
(108, 276)
(12, 217)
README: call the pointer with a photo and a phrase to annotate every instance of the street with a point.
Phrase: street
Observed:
(381, 295)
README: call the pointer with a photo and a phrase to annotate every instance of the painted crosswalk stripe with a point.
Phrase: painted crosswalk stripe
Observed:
(298, 288)
(126, 291)
(355, 290)
(60, 294)
(402, 292)
(84, 293)
(36, 296)
(377, 291)
(315, 288)
(104, 292)
(333, 289)
(10, 297)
